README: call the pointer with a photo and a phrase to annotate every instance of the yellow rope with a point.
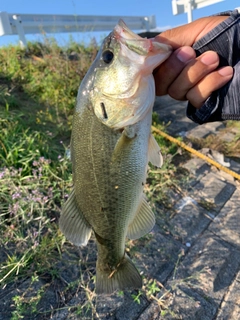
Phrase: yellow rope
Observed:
(197, 153)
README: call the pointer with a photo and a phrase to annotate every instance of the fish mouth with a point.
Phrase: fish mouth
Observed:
(131, 93)
(134, 42)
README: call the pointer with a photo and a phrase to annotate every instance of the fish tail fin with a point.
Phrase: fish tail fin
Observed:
(125, 276)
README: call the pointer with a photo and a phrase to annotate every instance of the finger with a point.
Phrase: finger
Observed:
(166, 73)
(194, 71)
(213, 81)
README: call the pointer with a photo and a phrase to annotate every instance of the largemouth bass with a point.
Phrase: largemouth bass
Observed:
(111, 146)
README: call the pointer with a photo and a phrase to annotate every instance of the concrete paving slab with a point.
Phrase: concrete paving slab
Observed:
(156, 256)
(198, 168)
(205, 130)
(190, 221)
(152, 312)
(213, 189)
(210, 267)
(187, 304)
(214, 126)
(199, 132)
(227, 224)
(166, 101)
(131, 309)
(230, 307)
(235, 166)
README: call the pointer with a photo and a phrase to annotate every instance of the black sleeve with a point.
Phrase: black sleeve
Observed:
(223, 104)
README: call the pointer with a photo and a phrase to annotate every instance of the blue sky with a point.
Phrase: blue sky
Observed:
(162, 9)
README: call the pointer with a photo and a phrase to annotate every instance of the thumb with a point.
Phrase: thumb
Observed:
(188, 34)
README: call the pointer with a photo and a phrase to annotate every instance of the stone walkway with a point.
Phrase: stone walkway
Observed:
(211, 265)
(194, 254)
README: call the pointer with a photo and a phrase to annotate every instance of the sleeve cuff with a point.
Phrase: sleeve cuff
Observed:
(220, 39)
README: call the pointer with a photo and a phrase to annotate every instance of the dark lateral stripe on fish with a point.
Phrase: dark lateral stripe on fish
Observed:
(104, 112)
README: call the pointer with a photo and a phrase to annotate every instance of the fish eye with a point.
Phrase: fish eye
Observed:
(107, 56)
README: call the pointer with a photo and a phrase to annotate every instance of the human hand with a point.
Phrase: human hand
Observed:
(183, 75)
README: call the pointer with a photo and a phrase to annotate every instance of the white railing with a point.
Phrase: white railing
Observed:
(186, 6)
(22, 24)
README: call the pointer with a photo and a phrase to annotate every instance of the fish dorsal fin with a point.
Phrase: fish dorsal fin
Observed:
(73, 224)
(143, 221)
(154, 153)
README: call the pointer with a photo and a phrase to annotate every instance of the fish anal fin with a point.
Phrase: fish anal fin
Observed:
(73, 224)
(125, 276)
(143, 221)
(154, 153)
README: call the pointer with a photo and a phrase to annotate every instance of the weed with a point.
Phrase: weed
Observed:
(136, 297)
(207, 204)
(230, 146)
(46, 74)
(26, 304)
(152, 287)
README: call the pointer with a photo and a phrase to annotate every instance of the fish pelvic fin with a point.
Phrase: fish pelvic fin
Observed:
(73, 224)
(154, 153)
(124, 277)
(143, 221)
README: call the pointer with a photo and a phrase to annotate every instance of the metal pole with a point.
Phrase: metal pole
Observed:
(20, 30)
(189, 10)
(146, 24)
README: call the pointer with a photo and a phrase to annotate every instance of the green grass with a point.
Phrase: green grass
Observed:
(38, 89)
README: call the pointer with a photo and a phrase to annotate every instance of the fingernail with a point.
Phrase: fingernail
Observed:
(185, 54)
(209, 58)
(226, 71)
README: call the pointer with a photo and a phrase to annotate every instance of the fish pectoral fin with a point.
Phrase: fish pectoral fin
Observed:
(143, 222)
(124, 141)
(154, 153)
(73, 224)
